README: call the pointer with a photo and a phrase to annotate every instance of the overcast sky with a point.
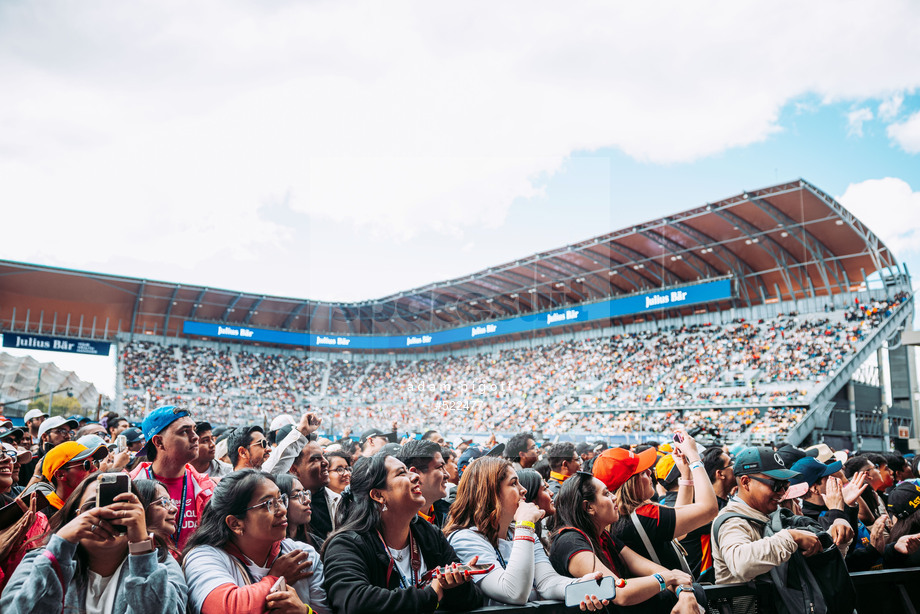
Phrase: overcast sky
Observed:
(347, 150)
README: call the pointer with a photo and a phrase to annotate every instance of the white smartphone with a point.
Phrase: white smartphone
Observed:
(121, 443)
(280, 585)
(602, 589)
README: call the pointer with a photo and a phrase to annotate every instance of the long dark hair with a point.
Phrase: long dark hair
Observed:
(907, 526)
(570, 506)
(301, 532)
(231, 498)
(146, 491)
(69, 511)
(533, 482)
(357, 511)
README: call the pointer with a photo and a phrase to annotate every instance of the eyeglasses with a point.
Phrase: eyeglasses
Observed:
(88, 465)
(165, 503)
(273, 505)
(342, 470)
(302, 496)
(776, 485)
(64, 432)
(261, 442)
(12, 454)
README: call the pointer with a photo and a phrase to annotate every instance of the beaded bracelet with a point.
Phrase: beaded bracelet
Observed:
(526, 524)
(660, 578)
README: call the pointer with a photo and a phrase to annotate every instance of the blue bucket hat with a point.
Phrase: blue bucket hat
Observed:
(156, 421)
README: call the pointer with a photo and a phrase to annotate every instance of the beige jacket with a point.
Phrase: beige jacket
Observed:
(742, 552)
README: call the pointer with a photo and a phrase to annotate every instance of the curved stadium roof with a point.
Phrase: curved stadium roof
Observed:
(786, 241)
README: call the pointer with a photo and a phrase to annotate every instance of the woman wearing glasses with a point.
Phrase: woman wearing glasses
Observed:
(377, 560)
(160, 515)
(241, 549)
(299, 510)
(489, 501)
(585, 508)
(90, 566)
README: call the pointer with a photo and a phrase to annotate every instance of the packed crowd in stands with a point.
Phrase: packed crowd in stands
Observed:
(602, 385)
(188, 515)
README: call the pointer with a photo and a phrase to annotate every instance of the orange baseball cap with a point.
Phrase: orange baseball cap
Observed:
(67, 452)
(616, 465)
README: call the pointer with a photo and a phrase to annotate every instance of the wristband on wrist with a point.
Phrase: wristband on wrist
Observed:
(525, 538)
(660, 578)
(685, 482)
(696, 465)
(525, 524)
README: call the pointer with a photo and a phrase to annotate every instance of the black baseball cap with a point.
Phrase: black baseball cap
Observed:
(904, 500)
(761, 459)
(391, 437)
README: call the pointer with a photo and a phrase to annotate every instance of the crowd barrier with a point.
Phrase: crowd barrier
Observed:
(894, 591)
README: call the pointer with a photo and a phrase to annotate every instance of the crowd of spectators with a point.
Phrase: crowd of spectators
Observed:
(603, 385)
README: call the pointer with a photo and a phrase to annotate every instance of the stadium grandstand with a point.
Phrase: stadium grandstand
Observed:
(773, 314)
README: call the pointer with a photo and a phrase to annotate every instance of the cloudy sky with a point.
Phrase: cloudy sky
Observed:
(349, 150)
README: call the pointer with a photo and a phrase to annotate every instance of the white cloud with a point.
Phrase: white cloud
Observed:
(890, 107)
(907, 133)
(181, 122)
(890, 208)
(855, 120)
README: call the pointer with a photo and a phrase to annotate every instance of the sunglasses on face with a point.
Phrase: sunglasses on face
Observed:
(776, 485)
(88, 465)
(273, 505)
(261, 442)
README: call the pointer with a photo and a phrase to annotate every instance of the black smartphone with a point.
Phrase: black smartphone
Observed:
(109, 486)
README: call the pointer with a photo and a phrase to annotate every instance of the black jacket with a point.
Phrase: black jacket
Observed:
(320, 522)
(359, 575)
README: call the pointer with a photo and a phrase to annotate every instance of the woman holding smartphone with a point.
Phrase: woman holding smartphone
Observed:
(235, 561)
(90, 566)
(585, 507)
(381, 556)
(491, 520)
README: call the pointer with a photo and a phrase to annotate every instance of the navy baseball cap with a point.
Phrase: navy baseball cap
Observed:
(133, 434)
(761, 459)
(156, 421)
(811, 470)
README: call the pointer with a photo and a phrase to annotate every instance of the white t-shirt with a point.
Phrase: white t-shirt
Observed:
(404, 566)
(100, 591)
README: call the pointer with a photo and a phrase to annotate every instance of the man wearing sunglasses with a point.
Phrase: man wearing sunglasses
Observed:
(247, 448)
(63, 468)
(739, 550)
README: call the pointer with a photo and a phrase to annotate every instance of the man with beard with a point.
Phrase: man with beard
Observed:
(247, 448)
(172, 445)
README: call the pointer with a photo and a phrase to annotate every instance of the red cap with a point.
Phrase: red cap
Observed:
(617, 465)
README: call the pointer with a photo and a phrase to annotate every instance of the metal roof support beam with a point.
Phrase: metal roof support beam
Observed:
(576, 272)
(493, 298)
(293, 314)
(231, 305)
(635, 256)
(197, 303)
(554, 275)
(253, 310)
(807, 240)
(768, 244)
(669, 244)
(172, 300)
(137, 304)
(620, 268)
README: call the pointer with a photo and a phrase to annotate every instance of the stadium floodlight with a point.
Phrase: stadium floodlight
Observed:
(784, 234)
(532, 290)
(515, 295)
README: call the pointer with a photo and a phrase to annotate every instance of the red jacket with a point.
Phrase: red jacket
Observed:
(202, 484)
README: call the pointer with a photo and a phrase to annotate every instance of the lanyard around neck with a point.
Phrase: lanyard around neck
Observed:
(181, 518)
(415, 560)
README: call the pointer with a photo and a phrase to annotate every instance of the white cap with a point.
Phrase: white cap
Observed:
(34, 413)
(53, 423)
(280, 421)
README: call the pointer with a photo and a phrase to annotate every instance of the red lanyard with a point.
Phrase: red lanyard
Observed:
(415, 560)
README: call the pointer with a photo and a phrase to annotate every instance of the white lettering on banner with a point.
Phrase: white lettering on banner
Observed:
(325, 340)
(678, 295)
(656, 299)
(561, 316)
(245, 332)
(29, 342)
(484, 330)
(227, 330)
(342, 341)
(58, 344)
(418, 340)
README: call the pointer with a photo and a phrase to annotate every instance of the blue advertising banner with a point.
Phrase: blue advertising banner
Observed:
(55, 344)
(604, 310)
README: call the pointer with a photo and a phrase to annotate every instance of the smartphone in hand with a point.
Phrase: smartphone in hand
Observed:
(109, 486)
(577, 592)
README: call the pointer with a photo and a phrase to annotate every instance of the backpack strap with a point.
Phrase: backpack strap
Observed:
(717, 523)
(644, 537)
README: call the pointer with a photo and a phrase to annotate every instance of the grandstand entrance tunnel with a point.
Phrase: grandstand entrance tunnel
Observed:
(782, 250)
